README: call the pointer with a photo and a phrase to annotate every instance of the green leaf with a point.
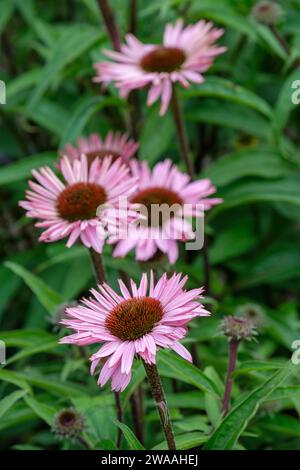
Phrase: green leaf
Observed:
(93, 8)
(105, 444)
(156, 135)
(6, 10)
(30, 377)
(18, 416)
(130, 437)
(185, 441)
(14, 378)
(86, 402)
(26, 447)
(269, 41)
(31, 16)
(222, 14)
(137, 378)
(276, 265)
(284, 105)
(284, 393)
(193, 423)
(236, 239)
(84, 110)
(282, 425)
(49, 346)
(21, 169)
(43, 410)
(48, 114)
(216, 87)
(261, 162)
(228, 114)
(284, 190)
(186, 400)
(278, 327)
(100, 413)
(258, 366)
(73, 42)
(25, 337)
(228, 432)
(9, 285)
(63, 256)
(172, 365)
(74, 284)
(7, 402)
(18, 85)
(47, 296)
(213, 404)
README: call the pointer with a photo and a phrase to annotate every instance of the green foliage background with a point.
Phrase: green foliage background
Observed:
(244, 133)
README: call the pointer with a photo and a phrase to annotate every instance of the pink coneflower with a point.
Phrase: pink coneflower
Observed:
(184, 55)
(165, 184)
(115, 144)
(68, 209)
(150, 317)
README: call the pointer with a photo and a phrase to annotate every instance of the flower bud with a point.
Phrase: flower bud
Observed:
(253, 312)
(68, 423)
(268, 13)
(238, 329)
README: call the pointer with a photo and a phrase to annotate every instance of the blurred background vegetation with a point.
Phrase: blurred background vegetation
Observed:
(244, 134)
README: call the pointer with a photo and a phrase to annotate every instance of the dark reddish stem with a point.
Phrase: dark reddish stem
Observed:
(83, 442)
(140, 394)
(134, 115)
(206, 267)
(136, 416)
(133, 16)
(98, 266)
(233, 349)
(110, 23)
(195, 355)
(161, 403)
(101, 277)
(281, 39)
(119, 416)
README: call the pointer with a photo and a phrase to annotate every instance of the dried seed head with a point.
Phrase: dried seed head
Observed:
(253, 312)
(68, 423)
(238, 329)
(268, 13)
